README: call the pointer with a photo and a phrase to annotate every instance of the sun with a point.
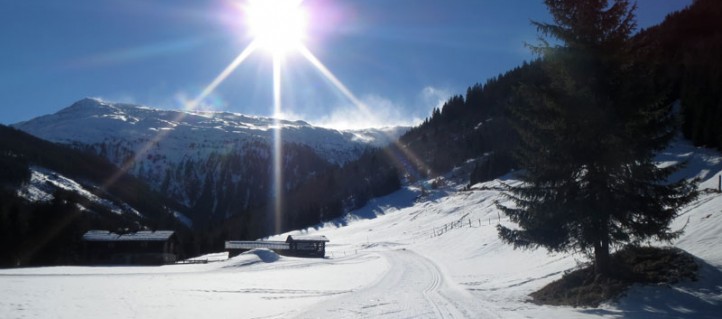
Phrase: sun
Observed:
(278, 26)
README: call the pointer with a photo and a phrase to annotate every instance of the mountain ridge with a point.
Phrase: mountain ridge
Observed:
(216, 163)
(156, 119)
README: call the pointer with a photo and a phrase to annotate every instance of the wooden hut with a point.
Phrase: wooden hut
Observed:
(295, 245)
(135, 248)
(237, 247)
(307, 246)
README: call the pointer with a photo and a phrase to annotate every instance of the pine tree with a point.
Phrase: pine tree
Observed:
(588, 137)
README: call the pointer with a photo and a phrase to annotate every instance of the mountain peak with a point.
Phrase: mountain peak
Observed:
(86, 104)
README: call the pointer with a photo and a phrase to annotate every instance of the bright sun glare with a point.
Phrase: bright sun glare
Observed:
(277, 26)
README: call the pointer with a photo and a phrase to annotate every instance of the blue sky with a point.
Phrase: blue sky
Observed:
(399, 57)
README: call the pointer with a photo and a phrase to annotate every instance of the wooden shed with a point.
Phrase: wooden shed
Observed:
(237, 247)
(307, 246)
(134, 248)
(295, 245)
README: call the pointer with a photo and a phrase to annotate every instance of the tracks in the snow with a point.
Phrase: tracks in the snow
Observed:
(413, 287)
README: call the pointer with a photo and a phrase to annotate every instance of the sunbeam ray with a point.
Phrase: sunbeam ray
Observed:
(362, 107)
(223, 75)
(139, 154)
(365, 110)
(277, 145)
(335, 81)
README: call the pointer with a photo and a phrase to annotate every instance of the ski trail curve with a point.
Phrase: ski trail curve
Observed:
(413, 287)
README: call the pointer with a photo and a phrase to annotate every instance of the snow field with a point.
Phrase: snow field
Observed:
(277, 288)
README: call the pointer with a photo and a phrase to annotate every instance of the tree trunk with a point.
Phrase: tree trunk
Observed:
(601, 258)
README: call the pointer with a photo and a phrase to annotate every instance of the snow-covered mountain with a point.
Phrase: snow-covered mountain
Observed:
(215, 162)
(93, 121)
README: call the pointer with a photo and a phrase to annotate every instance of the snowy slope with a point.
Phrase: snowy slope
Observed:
(412, 254)
(43, 183)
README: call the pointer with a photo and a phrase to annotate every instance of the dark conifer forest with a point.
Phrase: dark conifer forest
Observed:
(684, 52)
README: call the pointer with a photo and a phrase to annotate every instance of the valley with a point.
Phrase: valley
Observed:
(386, 260)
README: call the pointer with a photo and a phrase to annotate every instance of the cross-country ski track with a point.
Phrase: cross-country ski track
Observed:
(412, 287)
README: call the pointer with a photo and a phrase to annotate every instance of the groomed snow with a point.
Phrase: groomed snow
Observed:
(408, 255)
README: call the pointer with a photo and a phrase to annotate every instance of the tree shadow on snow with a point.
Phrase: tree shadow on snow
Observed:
(689, 299)
(700, 162)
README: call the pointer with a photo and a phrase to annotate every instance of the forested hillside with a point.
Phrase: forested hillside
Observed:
(324, 196)
(681, 55)
(685, 53)
(473, 126)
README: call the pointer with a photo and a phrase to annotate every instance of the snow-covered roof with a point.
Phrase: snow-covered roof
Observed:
(307, 238)
(234, 244)
(143, 235)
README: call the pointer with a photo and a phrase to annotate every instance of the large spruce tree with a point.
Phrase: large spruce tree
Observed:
(588, 137)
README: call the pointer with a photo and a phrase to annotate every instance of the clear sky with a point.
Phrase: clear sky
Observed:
(400, 58)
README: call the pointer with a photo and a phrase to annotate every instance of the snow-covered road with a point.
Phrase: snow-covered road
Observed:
(413, 287)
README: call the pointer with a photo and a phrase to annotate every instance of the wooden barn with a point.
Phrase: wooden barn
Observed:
(136, 248)
(298, 246)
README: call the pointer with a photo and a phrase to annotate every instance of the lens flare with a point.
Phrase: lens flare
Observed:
(278, 26)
